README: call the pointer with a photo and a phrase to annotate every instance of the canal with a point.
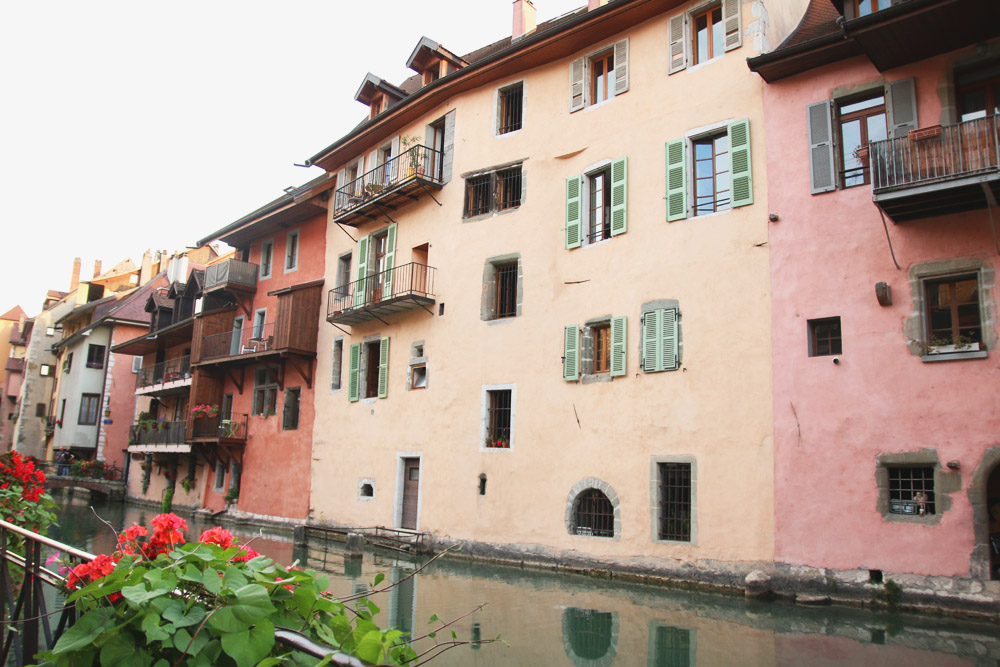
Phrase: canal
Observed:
(560, 619)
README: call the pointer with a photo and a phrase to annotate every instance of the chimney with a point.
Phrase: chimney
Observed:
(74, 281)
(146, 272)
(594, 4)
(97, 268)
(524, 19)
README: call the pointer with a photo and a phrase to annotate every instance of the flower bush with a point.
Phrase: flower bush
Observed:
(23, 500)
(90, 469)
(158, 599)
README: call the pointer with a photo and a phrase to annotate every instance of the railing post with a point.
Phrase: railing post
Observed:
(30, 609)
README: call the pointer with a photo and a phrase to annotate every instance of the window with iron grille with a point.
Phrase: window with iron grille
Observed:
(495, 191)
(594, 514)
(478, 197)
(508, 189)
(674, 501)
(672, 646)
(506, 285)
(824, 337)
(498, 418)
(911, 490)
(510, 108)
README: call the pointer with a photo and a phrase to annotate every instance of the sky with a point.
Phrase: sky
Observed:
(128, 125)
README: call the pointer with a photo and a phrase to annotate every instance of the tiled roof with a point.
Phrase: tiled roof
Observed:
(121, 268)
(819, 20)
(14, 314)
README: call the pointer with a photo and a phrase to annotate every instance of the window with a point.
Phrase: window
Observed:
(506, 297)
(674, 501)
(860, 122)
(824, 337)
(266, 257)
(290, 416)
(95, 356)
(343, 275)
(265, 390)
(978, 92)
(498, 418)
(710, 171)
(50, 331)
(136, 364)
(502, 289)
(911, 490)
(47, 370)
(598, 349)
(68, 362)
(40, 409)
(368, 372)
(661, 345)
(594, 515)
(604, 212)
(418, 376)
(510, 108)
(599, 76)
(336, 364)
(673, 646)
(703, 34)
(366, 489)
(220, 478)
(259, 324)
(496, 191)
(89, 406)
(600, 206)
(292, 251)
(376, 259)
(953, 316)
(866, 7)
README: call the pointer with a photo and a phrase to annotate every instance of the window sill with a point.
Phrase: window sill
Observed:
(591, 378)
(953, 356)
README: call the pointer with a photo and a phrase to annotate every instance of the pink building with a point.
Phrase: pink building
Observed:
(884, 174)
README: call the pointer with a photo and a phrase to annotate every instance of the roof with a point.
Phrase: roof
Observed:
(56, 294)
(14, 314)
(819, 20)
(121, 268)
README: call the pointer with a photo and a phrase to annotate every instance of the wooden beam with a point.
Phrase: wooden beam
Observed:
(239, 383)
(305, 374)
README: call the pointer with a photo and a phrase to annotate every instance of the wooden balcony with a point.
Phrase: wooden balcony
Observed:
(381, 295)
(225, 430)
(165, 378)
(233, 275)
(937, 170)
(389, 186)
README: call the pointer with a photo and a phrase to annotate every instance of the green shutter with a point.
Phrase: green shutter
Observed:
(619, 196)
(652, 352)
(668, 338)
(574, 203)
(571, 353)
(618, 331)
(353, 380)
(383, 368)
(676, 181)
(390, 261)
(739, 155)
(359, 286)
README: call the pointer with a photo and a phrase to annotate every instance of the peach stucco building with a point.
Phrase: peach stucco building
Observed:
(544, 334)
(883, 171)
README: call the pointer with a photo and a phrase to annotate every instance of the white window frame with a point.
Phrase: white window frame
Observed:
(484, 415)
(689, 166)
(294, 234)
(269, 244)
(588, 173)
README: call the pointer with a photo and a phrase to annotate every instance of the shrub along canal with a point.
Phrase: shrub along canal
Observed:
(563, 619)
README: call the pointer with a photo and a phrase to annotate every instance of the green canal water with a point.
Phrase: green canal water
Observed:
(558, 619)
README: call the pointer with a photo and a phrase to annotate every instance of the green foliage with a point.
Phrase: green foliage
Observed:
(168, 499)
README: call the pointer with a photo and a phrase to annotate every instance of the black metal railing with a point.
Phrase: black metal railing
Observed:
(416, 162)
(248, 340)
(934, 154)
(407, 280)
(233, 427)
(157, 433)
(164, 372)
(233, 271)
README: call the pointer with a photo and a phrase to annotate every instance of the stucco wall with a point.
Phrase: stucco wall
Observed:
(81, 380)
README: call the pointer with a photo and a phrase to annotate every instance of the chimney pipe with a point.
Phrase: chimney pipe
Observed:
(594, 4)
(524, 19)
(97, 268)
(146, 272)
(74, 281)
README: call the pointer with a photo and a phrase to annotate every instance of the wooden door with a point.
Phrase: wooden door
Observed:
(411, 489)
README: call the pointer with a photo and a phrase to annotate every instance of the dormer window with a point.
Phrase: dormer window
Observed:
(866, 7)
(432, 61)
(377, 106)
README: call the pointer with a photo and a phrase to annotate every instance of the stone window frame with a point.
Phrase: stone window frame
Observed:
(269, 243)
(586, 484)
(945, 484)
(654, 497)
(915, 327)
(418, 359)
(661, 304)
(609, 656)
(487, 307)
(298, 249)
(587, 374)
(484, 416)
(361, 484)
(497, 120)
(493, 173)
(337, 365)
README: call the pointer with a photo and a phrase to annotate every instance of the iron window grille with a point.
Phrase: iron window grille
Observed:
(508, 189)
(498, 425)
(675, 501)
(496, 191)
(824, 337)
(594, 515)
(911, 490)
(510, 108)
(477, 196)
(506, 302)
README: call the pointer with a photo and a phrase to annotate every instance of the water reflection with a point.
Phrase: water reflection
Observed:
(550, 618)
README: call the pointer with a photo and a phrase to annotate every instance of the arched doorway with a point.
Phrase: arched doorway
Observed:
(984, 497)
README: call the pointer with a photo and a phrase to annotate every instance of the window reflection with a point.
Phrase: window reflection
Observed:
(590, 637)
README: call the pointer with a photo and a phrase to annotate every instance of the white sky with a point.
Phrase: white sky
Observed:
(130, 124)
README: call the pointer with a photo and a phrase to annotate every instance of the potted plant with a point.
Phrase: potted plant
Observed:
(411, 144)
(861, 154)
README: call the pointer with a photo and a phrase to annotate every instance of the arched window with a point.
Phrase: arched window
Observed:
(594, 514)
(590, 637)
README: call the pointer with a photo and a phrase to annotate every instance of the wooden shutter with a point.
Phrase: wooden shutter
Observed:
(822, 172)
(340, 198)
(732, 21)
(353, 371)
(571, 353)
(574, 204)
(383, 368)
(676, 180)
(390, 261)
(618, 330)
(576, 87)
(739, 156)
(619, 196)
(678, 44)
(360, 285)
(652, 352)
(668, 339)
(901, 103)
(621, 66)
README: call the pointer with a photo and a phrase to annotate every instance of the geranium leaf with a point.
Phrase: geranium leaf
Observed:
(370, 647)
(223, 620)
(120, 650)
(252, 603)
(212, 580)
(138, 594)
(251, 646)
(151, 626)
(182, 620)
(86, 629)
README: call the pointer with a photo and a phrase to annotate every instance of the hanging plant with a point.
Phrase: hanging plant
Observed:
(147, 470)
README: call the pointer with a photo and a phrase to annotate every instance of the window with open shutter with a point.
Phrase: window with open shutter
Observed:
(383, 368)
(732, 23)
(573, 212)
(354, 373)
(618, 342)
(739, 154)
(621, 66)
(676, 180)
(571, 353)
(390, 261)
(660, 340)
(668, 339)
(822, 172)
(362, 262)
(678, 43)
(902, 107)
(619, 196)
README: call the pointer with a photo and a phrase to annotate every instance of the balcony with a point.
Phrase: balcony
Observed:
(382, 294)
(249, 341)
(210, 429)
(388, 186)
(160, 436)
(937, 170)
(165, 378)
(233, 275)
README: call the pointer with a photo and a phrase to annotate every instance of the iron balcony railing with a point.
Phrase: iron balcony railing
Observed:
(407, 280)
(164, 372)
(158, 433)
(935, 154)
(233, 427)
(416, 162)
(233, 271)
(247, 340)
